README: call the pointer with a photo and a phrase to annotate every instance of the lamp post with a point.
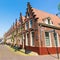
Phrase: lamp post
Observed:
(58, 14)
(55, 37)
(56, 44)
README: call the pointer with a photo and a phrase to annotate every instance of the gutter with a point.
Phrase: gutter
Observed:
(49, 26)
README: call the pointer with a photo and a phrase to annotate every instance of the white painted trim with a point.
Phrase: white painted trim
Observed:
(27, 16)
(26, 40)
(31, 44)
(49, 39)
(30, 24)
(58, 39)
(46, 21)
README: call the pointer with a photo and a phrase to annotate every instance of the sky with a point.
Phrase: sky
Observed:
(10, 10)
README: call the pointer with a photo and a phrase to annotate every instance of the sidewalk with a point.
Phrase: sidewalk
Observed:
(22, 52)
(35, 56)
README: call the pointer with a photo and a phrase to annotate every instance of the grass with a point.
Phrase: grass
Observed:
(22, 52)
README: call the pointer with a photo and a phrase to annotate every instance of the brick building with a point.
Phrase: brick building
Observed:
(38, 31)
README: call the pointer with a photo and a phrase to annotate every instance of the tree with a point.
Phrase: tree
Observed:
(12, 39)
(58, 14)
(59, 6)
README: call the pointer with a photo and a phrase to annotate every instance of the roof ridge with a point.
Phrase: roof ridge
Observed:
(44, 12)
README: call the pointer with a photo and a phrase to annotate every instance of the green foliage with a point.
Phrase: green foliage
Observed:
(59, 6)
(12, 38)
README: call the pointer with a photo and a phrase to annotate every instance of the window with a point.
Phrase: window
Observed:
(26, 26)
(32, 38)
(56, 39)
(28, 15)
(21, 39)
(47, 39)
(27, 37)
(30, 23)
(47, 21)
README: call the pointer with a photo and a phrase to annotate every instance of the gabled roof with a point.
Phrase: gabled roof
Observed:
(41, 15)
(23, 18)
(18, 22)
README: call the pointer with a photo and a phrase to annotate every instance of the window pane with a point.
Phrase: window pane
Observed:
(27, 37)
(55, 39)
(47, 38)
(48, 21)
(26, 25)
(31, 23)
(55, 36)
(32, 38)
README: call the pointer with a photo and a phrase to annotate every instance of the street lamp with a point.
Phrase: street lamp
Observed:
(56, 44)
(55, 38)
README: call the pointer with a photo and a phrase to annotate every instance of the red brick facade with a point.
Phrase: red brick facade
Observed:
(35, 32)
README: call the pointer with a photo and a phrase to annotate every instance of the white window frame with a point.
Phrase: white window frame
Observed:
(46, 21)
(57, 40)
(26, 26)
(31, 44)
(49, 39)
(26, 40)
(30, 24)
(27, 16)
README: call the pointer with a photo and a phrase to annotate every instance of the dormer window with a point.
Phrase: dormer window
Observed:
(30, 23)
(48, 21)
(26, 25)
(28, 15)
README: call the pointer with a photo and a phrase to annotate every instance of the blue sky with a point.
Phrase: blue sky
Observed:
(10, 10)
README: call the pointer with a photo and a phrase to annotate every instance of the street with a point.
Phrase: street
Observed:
(6, 54)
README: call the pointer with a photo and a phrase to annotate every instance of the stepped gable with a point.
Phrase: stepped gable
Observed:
(42, 15)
